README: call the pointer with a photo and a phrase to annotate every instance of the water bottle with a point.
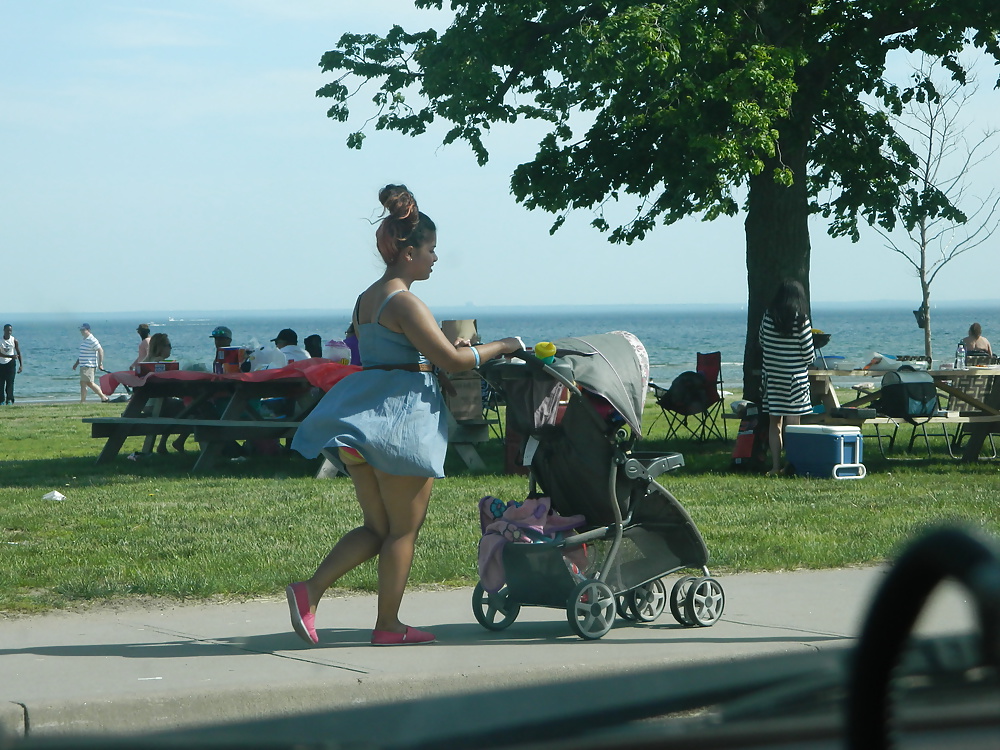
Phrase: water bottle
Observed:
(960, 356)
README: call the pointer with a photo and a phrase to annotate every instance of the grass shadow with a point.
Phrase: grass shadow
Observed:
(77, 469)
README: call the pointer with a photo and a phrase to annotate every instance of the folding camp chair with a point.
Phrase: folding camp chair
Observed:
(694, 401)
(492, 401)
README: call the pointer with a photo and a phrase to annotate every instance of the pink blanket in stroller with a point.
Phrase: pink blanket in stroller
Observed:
(531, 521)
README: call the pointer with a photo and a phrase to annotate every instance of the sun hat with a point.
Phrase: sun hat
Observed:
(221, 331)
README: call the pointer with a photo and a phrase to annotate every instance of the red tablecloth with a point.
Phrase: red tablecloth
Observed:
(321, 373)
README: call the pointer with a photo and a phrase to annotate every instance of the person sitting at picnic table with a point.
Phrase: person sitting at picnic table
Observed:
(351, 339)
(975, 343)
(223, 336)
(159, 348)
(287, 342)
(143, 331)
(313, 344)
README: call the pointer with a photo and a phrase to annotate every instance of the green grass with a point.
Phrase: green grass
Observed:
(149, 528)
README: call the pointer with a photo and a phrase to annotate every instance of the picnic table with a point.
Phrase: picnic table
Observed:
(974, 402)
(233, 397)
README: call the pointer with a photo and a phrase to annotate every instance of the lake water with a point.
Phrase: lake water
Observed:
(672, 335)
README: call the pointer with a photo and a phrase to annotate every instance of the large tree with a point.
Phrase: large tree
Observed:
(682, 107)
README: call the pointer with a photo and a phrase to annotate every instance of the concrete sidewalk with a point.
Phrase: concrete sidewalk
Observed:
(140, 669)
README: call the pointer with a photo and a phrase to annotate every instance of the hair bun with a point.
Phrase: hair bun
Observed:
(403, 225)
(398, 201)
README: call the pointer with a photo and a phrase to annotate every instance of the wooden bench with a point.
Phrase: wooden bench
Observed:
(211, 434)
(948, 418)
(230, 429)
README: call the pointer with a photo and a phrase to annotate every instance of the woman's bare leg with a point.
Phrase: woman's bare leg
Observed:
(405, 500)
(775, 432)
(358, 545)
(785, 424)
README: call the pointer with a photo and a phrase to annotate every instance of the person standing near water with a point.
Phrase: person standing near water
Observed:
(10, 356)
(90, 359)
(387, 426)
(787, 346)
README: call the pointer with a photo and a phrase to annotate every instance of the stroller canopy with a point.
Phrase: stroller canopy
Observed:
(618, 370)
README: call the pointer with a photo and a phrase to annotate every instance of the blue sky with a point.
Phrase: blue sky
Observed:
(173, 156)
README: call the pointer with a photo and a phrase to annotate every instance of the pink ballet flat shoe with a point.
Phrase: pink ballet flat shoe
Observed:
(411, 637)
(303, 621)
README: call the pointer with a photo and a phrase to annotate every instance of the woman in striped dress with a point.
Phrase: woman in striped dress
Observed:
(786, 343)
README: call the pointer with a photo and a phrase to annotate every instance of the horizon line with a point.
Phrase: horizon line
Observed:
(506, 309)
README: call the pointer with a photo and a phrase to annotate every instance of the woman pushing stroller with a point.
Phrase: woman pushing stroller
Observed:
(388, 423)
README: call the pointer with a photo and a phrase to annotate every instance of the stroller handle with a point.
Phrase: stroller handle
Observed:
(528, 356)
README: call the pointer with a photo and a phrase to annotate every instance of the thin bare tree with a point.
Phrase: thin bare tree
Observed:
(946, 156)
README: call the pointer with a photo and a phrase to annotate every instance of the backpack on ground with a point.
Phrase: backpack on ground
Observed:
(908, 394)
(687, 394)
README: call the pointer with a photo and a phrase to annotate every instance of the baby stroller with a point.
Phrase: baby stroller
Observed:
(633, 532)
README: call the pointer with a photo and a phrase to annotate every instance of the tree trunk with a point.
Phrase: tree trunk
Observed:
(927, 317)
(777, 234)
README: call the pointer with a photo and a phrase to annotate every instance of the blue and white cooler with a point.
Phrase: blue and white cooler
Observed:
(825, 451)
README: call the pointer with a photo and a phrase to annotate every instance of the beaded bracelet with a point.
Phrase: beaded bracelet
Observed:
(475, 353)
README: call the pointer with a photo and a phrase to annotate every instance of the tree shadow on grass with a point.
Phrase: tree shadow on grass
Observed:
(77, 469)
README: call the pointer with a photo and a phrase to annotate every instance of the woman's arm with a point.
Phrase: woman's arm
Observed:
(417, 323)
(806, 342)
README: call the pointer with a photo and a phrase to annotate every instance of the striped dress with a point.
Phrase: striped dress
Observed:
(785, 383)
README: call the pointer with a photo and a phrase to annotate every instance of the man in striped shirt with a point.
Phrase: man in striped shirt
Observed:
(91, 359)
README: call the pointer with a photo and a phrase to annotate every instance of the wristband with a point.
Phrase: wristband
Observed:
(475, 353)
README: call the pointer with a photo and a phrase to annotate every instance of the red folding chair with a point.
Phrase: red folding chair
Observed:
(712, 421)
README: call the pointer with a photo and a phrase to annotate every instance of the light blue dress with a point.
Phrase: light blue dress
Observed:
(394, 418)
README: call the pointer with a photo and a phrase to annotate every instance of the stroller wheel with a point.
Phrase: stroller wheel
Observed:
(678, 600)
(591, 609)
(622, 607)
(494, 611)
(648, 601)
(705, 602)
